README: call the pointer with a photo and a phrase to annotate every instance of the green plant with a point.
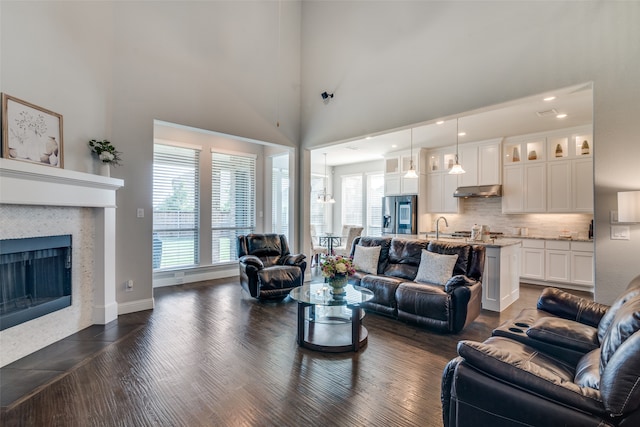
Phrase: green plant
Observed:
(105, 151)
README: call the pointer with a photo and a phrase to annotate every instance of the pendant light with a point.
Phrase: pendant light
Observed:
(325, 197)
(457, 168)
(411, 173)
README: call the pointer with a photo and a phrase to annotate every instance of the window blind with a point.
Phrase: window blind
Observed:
(375, 192)
(175, 206)
(318, 210)
(352, 200)
(233, 201)
(280, 201)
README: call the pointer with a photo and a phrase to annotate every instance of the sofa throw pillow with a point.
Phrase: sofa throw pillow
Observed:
(435, 268)
(365, 258)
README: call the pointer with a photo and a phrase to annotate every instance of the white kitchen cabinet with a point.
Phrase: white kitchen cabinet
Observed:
(391, 184)
(535, 178)
(468, 158)
(582, 265)
(532, 255)
(481, 162)
(513, 189)
(557, 265)
(559, 185)
(582, 185)
(396, 166)
(561, 263)
(440, 189)
(570, 186)
(501, 277)
(556, 176)
(489, 164)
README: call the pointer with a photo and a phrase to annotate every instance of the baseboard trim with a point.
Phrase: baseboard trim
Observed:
(135, 306)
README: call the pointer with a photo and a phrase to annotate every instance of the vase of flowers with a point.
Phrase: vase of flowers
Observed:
(106, 153)
(337, 270)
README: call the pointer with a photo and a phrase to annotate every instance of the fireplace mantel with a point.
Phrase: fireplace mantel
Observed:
(24, 183)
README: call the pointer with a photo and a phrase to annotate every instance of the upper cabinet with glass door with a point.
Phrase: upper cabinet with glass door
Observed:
(518, 151)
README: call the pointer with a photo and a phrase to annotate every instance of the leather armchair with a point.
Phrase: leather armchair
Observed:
(519, 380)
(268, 271)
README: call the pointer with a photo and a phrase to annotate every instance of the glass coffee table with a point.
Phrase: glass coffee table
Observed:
(328, 322)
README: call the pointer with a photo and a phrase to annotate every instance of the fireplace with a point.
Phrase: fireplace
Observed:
(35, 278)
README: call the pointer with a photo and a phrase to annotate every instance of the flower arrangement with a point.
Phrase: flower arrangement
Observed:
(333, 266)
(106, 152)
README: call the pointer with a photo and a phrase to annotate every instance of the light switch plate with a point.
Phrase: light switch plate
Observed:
(140, 213)
(614, 217)
(620, 232)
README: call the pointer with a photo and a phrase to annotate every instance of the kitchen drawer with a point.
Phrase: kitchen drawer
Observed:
(558, 245)
(582, 246)
(533, 243)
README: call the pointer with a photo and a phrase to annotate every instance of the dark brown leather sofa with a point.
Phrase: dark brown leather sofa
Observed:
(570, 362)
(268, 271)
(444, 308)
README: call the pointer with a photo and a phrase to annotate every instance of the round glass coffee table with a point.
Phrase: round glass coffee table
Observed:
(331, 323)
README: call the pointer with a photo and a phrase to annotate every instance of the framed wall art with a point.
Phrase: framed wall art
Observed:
(31, 133)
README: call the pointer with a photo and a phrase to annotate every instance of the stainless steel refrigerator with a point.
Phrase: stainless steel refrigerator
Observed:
(400, 215)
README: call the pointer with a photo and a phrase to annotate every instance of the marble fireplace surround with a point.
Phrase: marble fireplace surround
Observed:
(63, 196)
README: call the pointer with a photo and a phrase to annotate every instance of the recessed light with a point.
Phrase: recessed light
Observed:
(439, 122)
(369, 137)
(561, 116)
(549, 98)
(394, 145)
(462, 134)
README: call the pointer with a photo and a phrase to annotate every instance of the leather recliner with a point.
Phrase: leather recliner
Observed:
(562, 370)
(268, 271)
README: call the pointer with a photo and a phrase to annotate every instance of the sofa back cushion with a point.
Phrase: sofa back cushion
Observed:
(619, 381)
(462, 250)
(404, 258)
(383, 242)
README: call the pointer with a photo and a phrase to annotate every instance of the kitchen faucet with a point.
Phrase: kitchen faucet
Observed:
(438, 226)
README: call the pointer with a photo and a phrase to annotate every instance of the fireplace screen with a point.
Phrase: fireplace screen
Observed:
(35, 278)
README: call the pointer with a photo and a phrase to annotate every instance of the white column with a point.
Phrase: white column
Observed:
(105, 307)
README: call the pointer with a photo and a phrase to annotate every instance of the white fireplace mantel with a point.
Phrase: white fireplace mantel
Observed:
(24, 183)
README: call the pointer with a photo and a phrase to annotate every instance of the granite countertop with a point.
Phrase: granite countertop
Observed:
(568, 239)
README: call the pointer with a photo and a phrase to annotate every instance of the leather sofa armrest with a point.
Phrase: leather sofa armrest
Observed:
(565, 333)
(252, 260)
(457, 281)
(526, 368)
(569, 306)
(294, 260)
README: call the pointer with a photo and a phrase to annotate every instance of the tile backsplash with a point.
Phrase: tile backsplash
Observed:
(488, 211)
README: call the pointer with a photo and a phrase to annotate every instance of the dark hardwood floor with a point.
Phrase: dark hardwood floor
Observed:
(210, 355)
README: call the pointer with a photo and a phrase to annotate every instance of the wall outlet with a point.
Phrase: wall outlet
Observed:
(129, 285)
(140, 213)
(179, 276)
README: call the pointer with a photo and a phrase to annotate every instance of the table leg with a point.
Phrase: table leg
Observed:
(301, 308)
(356, 313)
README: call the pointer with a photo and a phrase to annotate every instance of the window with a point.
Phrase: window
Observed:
(318, 210)
(352, 200)
(175, 206)
(280, 195)
(233, 201)
(375, 192)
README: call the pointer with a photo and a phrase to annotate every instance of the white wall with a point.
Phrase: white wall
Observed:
(391, 64)
(111, 68)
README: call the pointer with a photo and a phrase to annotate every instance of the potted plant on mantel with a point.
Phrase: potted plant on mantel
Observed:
(107, 154)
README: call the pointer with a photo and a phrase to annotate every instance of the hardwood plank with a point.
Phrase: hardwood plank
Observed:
(210, 355)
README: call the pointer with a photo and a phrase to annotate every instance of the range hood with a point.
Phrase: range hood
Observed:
(479, 191)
